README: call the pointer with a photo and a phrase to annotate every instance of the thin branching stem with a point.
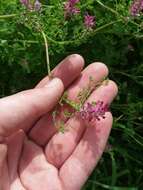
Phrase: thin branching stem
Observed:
(109, 8)
(93, 33)
(106, 25)
(47, 52)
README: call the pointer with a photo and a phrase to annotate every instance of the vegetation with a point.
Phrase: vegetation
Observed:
(116, 39)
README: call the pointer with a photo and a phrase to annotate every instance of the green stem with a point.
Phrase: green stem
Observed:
(114, 169)
(94, 32)
(106, 25)
(7, 16)
(22, 41)
(60, 42)
(109, 8)
(47, 52)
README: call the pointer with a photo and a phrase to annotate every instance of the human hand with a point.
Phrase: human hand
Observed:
(33, 154)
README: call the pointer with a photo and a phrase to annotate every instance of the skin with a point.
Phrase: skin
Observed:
(33, 154)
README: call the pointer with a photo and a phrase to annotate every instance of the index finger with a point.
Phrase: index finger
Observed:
(67, 70)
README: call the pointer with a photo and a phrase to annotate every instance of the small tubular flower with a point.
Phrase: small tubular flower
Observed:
(70, 8)
(31, 6)
(89, 21)
(37, 5)
(91, 112)
(141, 5)
(136, 7)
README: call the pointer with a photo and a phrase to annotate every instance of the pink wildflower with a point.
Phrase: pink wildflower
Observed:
(24, 2)
(73, 2)
(37, 5)
(92, 112)
(89, 21)
(136, 7)
(141, 5)
(70, 8)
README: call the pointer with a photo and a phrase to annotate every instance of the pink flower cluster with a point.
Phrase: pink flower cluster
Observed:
(71, 9)
(91, 112)
(28, 5)
(89, 21)
(136, 7)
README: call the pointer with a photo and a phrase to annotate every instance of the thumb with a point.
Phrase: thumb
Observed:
(20, 111)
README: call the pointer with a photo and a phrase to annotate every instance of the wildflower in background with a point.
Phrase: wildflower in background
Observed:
(37, 5)
(70, 8)
(92, 112)
(89, 21)
(141, 5)
(24, 2)
(136, 7)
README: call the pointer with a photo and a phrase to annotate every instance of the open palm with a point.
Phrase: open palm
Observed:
(33, 154)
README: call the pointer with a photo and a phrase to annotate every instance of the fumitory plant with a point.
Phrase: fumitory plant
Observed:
(33, 28)
(36, 32)
(64, 23)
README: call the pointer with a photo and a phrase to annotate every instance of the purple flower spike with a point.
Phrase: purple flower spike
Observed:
(141, 5)
(91, 112)
(30, 6)
(89, 21)
(70, 8)
(37, 5)
(136, 7)
(24, 2)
